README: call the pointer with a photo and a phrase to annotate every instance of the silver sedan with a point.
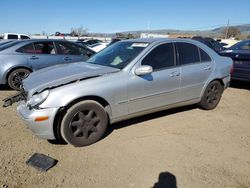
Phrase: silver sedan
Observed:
(19, 58)
(130, 78)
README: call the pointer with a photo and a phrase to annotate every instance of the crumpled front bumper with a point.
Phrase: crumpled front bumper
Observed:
(43, 129)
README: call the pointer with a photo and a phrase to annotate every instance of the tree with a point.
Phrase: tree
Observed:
(78, 32)
(231, 32)
(125, 36)
(130, 36)
(120, 35)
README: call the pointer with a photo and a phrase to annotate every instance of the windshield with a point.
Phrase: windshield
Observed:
(118, 55)
(243, 45)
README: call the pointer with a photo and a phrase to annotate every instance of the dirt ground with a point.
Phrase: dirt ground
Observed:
(185, 147)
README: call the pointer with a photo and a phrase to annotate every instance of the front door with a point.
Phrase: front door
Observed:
(159, 88)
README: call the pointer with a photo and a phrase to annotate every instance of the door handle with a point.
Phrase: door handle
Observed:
(207, 67)
(175, 73)
(34, 57)
(67, 58)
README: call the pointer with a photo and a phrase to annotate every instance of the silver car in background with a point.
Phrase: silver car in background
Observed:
(19, 58)
(130, 78)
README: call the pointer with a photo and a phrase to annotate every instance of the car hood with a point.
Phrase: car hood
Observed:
(63, 74)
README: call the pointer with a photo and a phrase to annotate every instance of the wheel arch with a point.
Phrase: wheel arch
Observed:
(205, 86)
(61, 112)
(15, 68)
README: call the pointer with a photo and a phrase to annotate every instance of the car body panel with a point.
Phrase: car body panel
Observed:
(127, 94)
(49, 77)
(154, 90)
(191, 86)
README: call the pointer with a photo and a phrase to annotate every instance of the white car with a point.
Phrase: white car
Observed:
(15, 36)
(98, 46)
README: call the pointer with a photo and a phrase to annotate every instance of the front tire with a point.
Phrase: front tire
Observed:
(84, 123)
(211, 96)
(15, 78)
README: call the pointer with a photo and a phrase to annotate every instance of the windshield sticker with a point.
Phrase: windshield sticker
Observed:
(116, 61)
(142, 45)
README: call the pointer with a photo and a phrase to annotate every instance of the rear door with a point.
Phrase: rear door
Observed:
(71, 52)
(196, 66)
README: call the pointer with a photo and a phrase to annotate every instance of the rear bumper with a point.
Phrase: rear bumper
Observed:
(42, 129)
(226, 81)
(241, 73)
(241, 79)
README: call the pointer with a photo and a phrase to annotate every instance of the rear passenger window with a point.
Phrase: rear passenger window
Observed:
(44, 48)
(29, 49)
(24, 37)
(204, 56)
(67, 48)
(188, 53)
(160, 57)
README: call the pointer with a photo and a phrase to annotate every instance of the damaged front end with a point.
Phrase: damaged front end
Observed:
(22, 95)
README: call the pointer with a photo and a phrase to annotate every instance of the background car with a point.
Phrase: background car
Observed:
(19, 58)
(240, 53)
(19, 36)
(211, 43)
(114, 40)
(89, 42)
(98, 46)
(127, 79)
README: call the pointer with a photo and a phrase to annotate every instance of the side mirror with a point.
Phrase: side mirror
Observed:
(144, 69)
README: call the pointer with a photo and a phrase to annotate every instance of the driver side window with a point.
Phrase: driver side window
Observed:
(160, 57)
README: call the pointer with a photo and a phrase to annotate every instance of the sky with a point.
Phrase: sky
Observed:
(111, 16)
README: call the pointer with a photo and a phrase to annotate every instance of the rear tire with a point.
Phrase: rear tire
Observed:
(16, 76)
(211, 96)
(84, 123)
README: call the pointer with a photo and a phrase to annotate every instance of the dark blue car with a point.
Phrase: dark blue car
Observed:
(240, 53)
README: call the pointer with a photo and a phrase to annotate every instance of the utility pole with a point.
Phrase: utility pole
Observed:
(227, 29)
(148, 28)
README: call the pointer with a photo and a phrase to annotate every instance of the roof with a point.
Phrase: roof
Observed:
(41, 40)
(15, 34)
(158, 40)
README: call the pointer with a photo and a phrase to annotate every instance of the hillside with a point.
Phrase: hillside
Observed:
(245, 29)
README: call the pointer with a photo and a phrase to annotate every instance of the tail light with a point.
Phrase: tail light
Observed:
(232, 69)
